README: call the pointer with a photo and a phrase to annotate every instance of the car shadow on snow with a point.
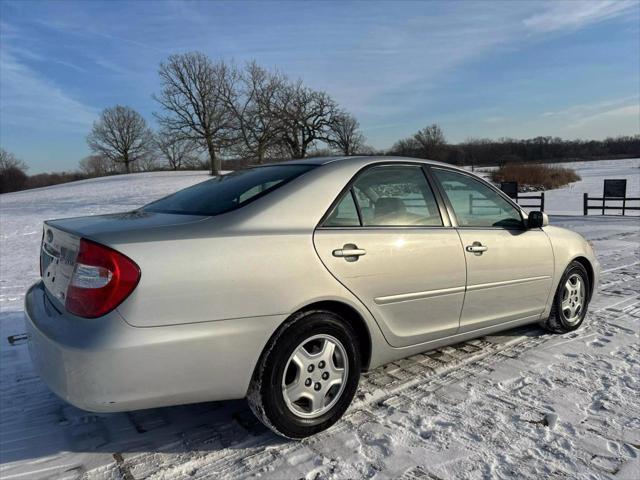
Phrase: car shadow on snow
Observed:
(45, 425)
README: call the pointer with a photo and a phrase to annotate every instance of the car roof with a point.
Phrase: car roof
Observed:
(360, 159)
(311, 161)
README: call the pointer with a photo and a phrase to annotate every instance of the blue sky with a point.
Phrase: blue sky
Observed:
(479, 68)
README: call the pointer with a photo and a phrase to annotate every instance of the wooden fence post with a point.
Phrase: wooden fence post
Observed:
(585, 202)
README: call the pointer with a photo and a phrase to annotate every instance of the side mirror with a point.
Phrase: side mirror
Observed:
(537, 219)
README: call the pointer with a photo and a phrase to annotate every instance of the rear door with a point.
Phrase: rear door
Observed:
(388, 242)
(509, 267)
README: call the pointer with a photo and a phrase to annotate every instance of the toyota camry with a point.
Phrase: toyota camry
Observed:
(282, 283)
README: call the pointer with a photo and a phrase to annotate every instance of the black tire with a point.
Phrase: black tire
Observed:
(266, 397)
(558, 322)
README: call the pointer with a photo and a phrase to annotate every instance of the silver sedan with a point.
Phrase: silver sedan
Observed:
(282, 283)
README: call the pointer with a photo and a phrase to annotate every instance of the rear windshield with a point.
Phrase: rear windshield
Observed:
(227, 192)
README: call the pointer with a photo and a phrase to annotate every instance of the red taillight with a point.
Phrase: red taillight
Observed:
(102, 279)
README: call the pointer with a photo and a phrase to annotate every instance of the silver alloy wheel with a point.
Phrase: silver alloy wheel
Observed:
(315, 376)
(573, 298)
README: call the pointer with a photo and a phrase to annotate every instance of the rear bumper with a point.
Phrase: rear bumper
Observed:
(105, 364)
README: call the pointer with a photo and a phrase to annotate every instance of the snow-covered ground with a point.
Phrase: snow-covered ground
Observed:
(523, 404)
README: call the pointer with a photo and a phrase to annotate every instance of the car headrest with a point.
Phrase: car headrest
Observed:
(389, 205)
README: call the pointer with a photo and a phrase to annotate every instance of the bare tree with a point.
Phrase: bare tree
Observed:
(318, 151)
(306, 116)
(9, 160)
(148, 162)
(196, 163)
(369, 150)
(121, 135)
(96, 166)
(255, 106)
(194, 97)
(406, 147)
(345, 135)
(431, 140)
(13, 172)
(177, 150)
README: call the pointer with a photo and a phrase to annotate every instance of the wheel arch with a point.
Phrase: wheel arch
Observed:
(346, 312)
(584, 261)
(354, 318)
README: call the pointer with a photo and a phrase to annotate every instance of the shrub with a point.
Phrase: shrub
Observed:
(538, 175)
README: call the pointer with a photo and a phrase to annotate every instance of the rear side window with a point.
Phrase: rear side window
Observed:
(227, 192)
(388, 196)
(344, 214)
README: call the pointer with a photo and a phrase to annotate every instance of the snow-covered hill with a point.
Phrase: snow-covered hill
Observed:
(519, 405)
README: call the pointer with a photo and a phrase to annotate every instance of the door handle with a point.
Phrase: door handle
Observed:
(349, 252)
(476, 248)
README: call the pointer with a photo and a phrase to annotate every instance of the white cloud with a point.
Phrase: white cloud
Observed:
(609, 118)
(628, 113)
(589, 109)
(570, 15)
(30, 101)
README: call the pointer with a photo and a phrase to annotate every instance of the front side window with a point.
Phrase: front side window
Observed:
(227, 192)
(476, 204)
(396, 195)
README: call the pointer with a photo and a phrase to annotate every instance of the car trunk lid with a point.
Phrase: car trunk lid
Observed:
(62, 237)
(95, 226)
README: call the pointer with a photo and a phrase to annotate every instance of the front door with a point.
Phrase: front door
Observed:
(386, 241)
(509, 267)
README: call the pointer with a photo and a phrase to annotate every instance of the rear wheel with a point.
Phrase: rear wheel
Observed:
(307, 375)
(570, 301)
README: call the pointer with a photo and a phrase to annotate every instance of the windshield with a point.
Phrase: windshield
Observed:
(227, 192)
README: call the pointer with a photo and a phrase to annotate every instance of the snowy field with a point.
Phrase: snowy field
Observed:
(568, 200)
(523, 404)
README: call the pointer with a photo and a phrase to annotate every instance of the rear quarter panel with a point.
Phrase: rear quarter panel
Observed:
(222, 277)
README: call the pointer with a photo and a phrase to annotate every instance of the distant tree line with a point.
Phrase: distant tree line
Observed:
(14, 177)
(430, 143)
(210, 111)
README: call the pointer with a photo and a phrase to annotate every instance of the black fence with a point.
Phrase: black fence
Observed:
(511, 189)
(476, 203)
(538, 201)
(620, 204)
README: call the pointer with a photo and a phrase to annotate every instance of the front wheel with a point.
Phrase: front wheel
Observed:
(307, 375)
(570, 301)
